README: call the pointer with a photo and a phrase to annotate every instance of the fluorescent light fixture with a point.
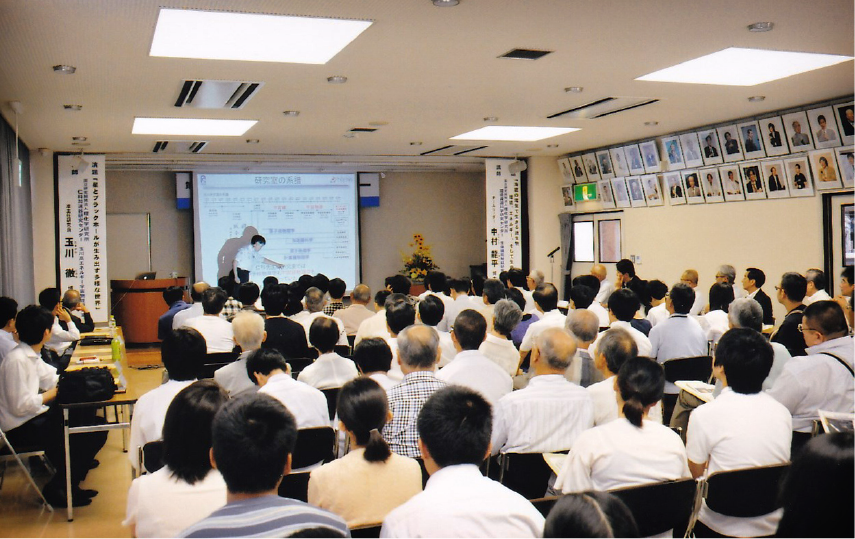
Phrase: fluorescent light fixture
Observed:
(251, 37)
(514, 133)
(191, 126)
(744, 67)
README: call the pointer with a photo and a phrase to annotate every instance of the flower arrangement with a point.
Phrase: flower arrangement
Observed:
(420, 262)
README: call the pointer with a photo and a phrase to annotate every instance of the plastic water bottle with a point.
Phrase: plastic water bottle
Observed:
(116, 349)
(112, 326)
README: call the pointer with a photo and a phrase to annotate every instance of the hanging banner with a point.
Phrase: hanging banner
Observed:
(82, 231)
(504, 217)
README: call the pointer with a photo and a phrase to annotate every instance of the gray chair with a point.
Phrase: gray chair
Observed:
(7, 453)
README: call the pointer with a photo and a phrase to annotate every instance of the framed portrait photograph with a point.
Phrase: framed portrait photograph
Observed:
(619, 162)
(799, 176)
(846, 165)
(566, 170)
(752, 180)
(845, 114)
(578, 169)
(694, 195)
(650, 155)
(633, 158)
(691, 150)
(711, 184)
(673, 185)
(636, 192)
(798, 132)
(710, 148)
(731, 183)
(592, 170)
(824, 166)
(775, 179)
(673, 153)
(567, 195)
(652, 193)
(752, 145)
(605, 162)
(728, 138)
(822, 127)
(620, 192)
(774, 139)
(606, 197)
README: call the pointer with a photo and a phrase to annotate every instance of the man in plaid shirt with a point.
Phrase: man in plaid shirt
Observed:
(336, 290)
(418, 354)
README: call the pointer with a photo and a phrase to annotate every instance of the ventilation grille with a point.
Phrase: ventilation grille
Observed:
(216, 94)
(363, 130)
(453, 150)
(525, 54)
(178, 146)
(605, 107)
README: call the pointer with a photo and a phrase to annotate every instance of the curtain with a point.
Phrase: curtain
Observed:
(16, 221)
(566, 223)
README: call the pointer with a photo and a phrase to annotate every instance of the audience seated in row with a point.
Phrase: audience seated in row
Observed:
(330, 370)
(498, 346)
(249, 335)
(195, 308)
(269, 370)
(218, 333)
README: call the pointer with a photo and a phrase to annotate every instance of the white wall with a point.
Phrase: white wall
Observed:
(544, 205)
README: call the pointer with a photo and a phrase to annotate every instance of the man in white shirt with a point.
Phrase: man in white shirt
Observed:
(64, 330)
(461, 299)
(218, 333)
(458, 501)
(680, 335)
(582, 297)
(623, 304)
(195, 309)
(606, 286)
(315, 302)
(249, 333)
(546, 300)
(373, 358)
(357, 312)
(400, 314)
(584, 326)
(431, 313)
(436, 284)
(273, 376)
(550, 412)
(742, 428)
(726, 274)
(375, 325)
(517, 279)
(182, 353)
(330, 370)
(535, 278)
(658, 311)
(494, 290)
(8, 310)
(690, 278)
(498, 346)
(816, 284)
(470, 368)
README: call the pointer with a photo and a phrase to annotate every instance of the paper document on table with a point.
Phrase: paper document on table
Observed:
(555, 461)
(836, 421)
(700, 390)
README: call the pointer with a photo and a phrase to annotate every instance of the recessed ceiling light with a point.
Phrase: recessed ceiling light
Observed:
(445, 3)
(210, 35)
(490, 119)
(651, 124)
(291, 113)
(378, 124)
(191, 126)
(336, 79)
(415, 144)
(79, 139)
(574, 89)
(64, 69)
(756, 98)
(744, 67)
(761, 26)
(514, 133)
(73, 107)
(252, 141)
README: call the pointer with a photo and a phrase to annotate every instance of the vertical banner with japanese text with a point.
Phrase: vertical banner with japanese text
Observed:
(82, 230)
(504, 228)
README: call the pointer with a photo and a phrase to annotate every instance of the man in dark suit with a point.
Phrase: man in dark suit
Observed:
(775, 180)
(709, 149)
(731, 146)
(791, 292)
(751, 283)
(774, 136)
(676, 190)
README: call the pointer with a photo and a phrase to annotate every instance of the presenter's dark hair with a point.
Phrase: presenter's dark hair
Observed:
(470, 329)
(173, 294)
(274, 299)
(827, 317)
(623, 304)
(248, 293)
(8, 310)
(746, 356)
(657, 289)
(183, 353)
(641, 382)
(400, 284)
(721, 296)
(373, 355)
(31, 324)
(455, 425)
(546, 295)
(436, 281)
(431, 310)
(258, 238)
(252, 439)
(187, 430)
(264, 361)
(337, 288)
(794, 286)
(324, 334)
(590, 514)
(213, 300)
(363, 408)
(494, 290)
(400, 313)
(757, 276)
(582, 296)
(626, 266)
(49, 297)
(682, 297)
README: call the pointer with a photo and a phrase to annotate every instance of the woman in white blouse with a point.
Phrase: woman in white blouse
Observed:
(498, 346)
(715, 322)
(186, 489)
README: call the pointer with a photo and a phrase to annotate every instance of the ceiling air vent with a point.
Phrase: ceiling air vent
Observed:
(525, 54)
(178, 146)
(604, 107)
(216, 94)
(453, 149)
(363, 130)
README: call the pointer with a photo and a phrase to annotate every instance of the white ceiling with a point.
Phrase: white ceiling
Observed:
(431, 73)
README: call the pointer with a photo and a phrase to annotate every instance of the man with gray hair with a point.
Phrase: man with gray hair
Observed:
(315, 302)
(418, 354)
(815, 286)
(534, 279)
(550, 412)
(583, 325)
(726, 274)
(357, 311)
(249, 333)
(498, 346)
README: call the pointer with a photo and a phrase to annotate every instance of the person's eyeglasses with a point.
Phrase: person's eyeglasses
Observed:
(778, 288)
(802, 329)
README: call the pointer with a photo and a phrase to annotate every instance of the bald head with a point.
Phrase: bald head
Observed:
(555, 349)
(584, 325)
(599, 271)
(418, 348)
(198, 289)
(361, 294)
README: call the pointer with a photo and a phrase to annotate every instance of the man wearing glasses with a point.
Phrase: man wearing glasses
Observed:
(790, 293)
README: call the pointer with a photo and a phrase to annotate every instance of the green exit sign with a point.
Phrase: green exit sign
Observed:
(585, 191)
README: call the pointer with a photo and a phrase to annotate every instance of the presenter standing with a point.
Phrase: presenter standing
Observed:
(248, 258)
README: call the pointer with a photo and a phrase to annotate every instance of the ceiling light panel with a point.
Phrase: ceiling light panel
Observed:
(744, 67)
(251, 37)
(514, 133)
(191, 127)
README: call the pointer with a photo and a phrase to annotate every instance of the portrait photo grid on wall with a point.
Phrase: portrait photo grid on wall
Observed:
(752, 178)
(799, 176)
(798, 134)
(823, 128)
(728, 138)
(711, 185)
(731, 183)
(673, 153)
(824, 166)
(776, 182)
(591, 168)
(673, 185)
(578, 169)
(752, 146)
(694, 195)
(773, 136)
(605, 162)
(711, 148)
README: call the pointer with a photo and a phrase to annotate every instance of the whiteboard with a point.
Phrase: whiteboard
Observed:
(128, 244)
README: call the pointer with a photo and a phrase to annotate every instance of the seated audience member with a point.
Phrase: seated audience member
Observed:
(269, 370)
(690, 278)
(8, 311)
(546, 300)
(357, 312)
(232, 305)
(195, 309)
(844, 299)
(431, 312)
(590, 514)
(283, 334)
(742, 428)
(593, 283)
(78, 311)
(623, 304)
(364, 485)
(494, 290)
(249, 336)
(816, 284)
(582, 297)
(436, 284)
(29, 416)
(534, 279)
(583, 325)
(714, 322)
(454, 436)
(375, 325)
(658, 311)
(461, 300)
(606, 287)
(330, 370)
(253, 441)
(752, 283)
(626, 278)
(528, 318)
(550, 413)
(267, 282)
(823, 379)
(791, 293)
(399, 284)
(182, 353)
(187, 488)
(174, 298)
(337, 289)
(726, 274)
(498, 346)
(631, 450)
(321, 282)
(679, 335)
(470, 368)
(64, 331)
(400, 313)
(817, 494)
(248, 294)
(418, 354)
(516, 280)
(218, 333)
(315, 301)
(373, 358)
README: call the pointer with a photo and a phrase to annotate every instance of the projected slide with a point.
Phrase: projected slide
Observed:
(308, 223)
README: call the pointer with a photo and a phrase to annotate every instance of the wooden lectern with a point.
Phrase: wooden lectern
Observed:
(138, 303)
